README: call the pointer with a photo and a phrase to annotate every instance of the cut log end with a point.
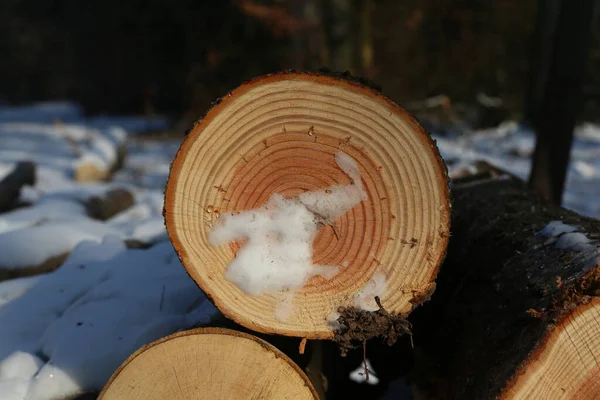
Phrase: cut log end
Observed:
(281, 134)
(567, 362)
(209, 363)
(515, 313)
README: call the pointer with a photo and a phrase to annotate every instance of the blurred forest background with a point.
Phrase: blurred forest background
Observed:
(174, 58)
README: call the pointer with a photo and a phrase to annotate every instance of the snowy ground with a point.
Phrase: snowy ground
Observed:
(66, 331)
(509, 146)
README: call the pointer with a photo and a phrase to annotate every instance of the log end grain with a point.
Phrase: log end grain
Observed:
(279, 134)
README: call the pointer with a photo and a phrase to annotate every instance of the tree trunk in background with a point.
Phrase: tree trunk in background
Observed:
(340, 30)
(560, 52)
(517, 306)
(366, 38)
(308, 50)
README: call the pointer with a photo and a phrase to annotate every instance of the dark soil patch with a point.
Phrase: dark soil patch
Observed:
(357, 326)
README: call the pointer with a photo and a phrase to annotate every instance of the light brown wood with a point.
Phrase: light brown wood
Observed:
(211, 364)
(90, 172)
(567, 366)
(279, 134)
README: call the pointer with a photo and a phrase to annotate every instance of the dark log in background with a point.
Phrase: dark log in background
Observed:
(24, 174)
(500, 291)
(109, 204)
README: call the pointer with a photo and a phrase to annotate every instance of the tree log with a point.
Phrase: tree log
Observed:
(109, 204)
(209, 363)
(516, 313)
(10, 187)
(280, 133)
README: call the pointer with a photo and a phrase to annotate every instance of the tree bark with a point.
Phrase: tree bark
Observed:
(509, 294)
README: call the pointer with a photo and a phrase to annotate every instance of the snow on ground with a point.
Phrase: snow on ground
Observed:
(13, 288)
(45, 112)
(147, 163)
(57, 221)
(510, 146)
(69, 332)
(66, 331)
(61, 148)
(72, 113)
(62, 141)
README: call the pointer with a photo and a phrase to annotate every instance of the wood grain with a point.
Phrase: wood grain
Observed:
(279, 134)
(211, 364)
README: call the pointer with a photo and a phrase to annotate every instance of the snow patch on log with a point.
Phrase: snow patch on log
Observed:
(285, 306)
(332, 321)
(556, 228)
(278, 253)
(566, 237)
(336, 200)
(364, 299)
(574, 241)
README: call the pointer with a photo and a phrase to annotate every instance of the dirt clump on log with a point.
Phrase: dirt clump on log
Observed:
(358, 326)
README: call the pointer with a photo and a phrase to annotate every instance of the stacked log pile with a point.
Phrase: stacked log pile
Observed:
(513, 312)
(517, 306)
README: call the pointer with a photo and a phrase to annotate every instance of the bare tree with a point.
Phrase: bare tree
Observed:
(560, 51)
